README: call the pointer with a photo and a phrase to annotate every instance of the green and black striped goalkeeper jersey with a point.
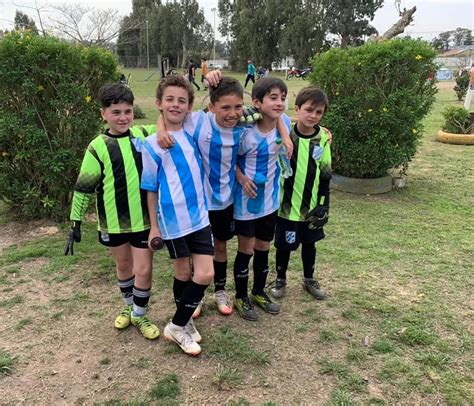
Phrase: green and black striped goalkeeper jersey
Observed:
(309, 185)
(112, 168)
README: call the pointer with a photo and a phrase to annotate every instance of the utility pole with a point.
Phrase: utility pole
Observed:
(214, 36)
(147, 47)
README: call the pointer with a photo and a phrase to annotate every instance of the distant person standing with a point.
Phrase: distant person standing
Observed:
(470, 91)
(192, 74)
(204, 71)
(251, 70)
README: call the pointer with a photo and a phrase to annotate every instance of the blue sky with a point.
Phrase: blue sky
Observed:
(431, 17)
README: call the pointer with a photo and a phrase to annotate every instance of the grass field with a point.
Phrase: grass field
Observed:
(396, 329)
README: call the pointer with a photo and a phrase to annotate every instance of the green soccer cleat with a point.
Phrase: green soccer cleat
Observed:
(245, 308)
(265, 303)
(123, 319)
(146, 327)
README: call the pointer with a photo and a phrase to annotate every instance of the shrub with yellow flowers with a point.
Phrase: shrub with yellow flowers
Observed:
(378, 94)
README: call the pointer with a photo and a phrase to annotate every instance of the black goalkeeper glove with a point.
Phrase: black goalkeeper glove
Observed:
(318, 217)
(250, 115)
(74, 235)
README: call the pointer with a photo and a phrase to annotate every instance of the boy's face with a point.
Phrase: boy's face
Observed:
(119, 117)
(309, 114)
(272, 105)
(228, 110)
(174, 106)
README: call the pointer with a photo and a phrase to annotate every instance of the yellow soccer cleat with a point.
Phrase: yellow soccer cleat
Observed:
(146, 327)
(123, 319)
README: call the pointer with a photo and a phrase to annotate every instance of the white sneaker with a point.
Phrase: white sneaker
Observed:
(224, 305)
(198, 310)
(180, 336)
(191, 329)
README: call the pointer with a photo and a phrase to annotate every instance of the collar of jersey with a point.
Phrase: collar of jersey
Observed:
(125, 134)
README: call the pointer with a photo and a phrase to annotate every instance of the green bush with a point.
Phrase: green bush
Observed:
(378, 95)
(48, 114)
(462, 84)
(138, 112)
(457, 120)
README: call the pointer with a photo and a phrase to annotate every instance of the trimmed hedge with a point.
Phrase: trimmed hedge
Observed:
(48, 114)
(378, 95)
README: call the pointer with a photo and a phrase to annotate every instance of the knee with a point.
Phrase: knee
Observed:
(220, 248)
(262, 245)
(124, 265)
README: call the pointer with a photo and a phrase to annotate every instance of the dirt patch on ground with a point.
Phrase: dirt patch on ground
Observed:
(16, 233)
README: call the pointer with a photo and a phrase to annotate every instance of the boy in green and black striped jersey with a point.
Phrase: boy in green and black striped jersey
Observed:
(112, 168)
(304, 196)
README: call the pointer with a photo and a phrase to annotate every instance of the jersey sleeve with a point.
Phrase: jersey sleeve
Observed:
(151, 166)
(324, 172)
(80, 204)
(89, 178)
(147, 129)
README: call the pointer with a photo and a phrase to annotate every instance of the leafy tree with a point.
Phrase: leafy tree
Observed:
(305, 31)
(174, 29)
(445, 39)
(349, 19)
(24, 22)
(462, 36)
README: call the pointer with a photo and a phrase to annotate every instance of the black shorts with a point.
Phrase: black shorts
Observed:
(137, 240)
(222, 223)
(262, 228)
(290, 234)
(199, 242)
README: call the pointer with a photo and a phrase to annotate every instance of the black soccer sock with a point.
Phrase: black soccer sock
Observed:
(192, 295)
(141, 297)
(178, 287)
(126, 288)
(241, 274)
(260, 271)
(282, 259)
(308, 256)
(220, 275)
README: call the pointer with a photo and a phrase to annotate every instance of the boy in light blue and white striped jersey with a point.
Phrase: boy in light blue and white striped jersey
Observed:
(174, 179)
(256, 199)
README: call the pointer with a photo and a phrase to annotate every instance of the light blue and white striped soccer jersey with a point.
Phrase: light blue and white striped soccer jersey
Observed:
(218, 147)
(177, 175)
(258, 157)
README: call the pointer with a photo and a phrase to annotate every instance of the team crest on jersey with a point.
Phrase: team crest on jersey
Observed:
(290, 237)
(208, 137)
(317, 152)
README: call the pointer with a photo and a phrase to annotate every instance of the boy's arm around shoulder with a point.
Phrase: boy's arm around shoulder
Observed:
(284, 127)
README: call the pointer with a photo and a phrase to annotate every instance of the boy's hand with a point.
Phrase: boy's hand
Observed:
(250, 115)
(74, 235)
(289, 147)
(329, 133)
(213, 77)
(249, 187)
(154, 233)
(164, 139)
(318, 217)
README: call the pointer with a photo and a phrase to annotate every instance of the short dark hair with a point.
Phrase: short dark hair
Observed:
(114, 93)
(226, 87)
(264, 86)
(177, 81)
(313, 94)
